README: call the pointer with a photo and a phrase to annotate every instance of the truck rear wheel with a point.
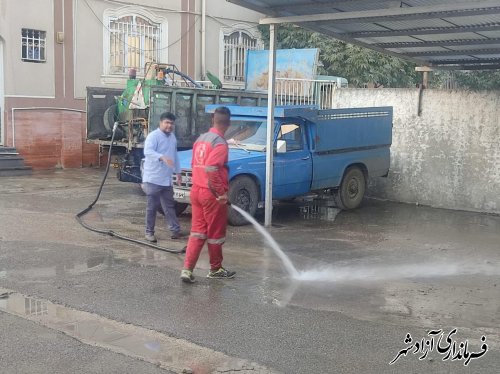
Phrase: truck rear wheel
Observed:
(352, 189)
(244, 193)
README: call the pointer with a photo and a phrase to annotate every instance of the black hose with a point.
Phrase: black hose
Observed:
(79, 216)
(187, 77)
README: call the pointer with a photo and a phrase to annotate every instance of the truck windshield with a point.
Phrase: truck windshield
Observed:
(249, 135)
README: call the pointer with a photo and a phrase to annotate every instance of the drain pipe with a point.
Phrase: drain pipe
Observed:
(203, 38)
(13, 118)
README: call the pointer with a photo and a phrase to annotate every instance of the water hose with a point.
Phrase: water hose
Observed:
(79, 216)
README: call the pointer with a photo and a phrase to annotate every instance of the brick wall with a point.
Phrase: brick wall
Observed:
(50, 139)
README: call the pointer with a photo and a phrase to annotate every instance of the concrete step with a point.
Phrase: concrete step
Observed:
(5, 154)
(7, 150)
(11, 161)
(15, 171)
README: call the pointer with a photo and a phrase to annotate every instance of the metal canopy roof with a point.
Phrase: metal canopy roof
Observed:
(443, 34)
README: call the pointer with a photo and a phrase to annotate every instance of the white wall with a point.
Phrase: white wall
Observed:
(89, 46)
(449, 156)
(222, 17)
(38, 79)
(89, 36)
(27, 78)
(2, 101)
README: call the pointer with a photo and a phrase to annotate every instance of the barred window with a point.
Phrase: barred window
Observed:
(236, 45)
(134, 41)
(33, 45)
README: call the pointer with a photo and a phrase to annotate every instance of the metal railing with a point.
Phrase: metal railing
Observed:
(133, 42)
(295, 91)
(236, 46)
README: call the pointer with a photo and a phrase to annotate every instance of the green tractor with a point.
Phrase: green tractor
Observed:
(131, 108)
(130, 114)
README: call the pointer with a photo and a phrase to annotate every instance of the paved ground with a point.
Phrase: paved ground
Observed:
(384, 270)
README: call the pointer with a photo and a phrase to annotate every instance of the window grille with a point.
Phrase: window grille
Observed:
(33, 45)
(236, 45)
(134, 41)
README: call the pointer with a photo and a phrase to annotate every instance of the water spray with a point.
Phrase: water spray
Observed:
(292, 271)
(353, 273)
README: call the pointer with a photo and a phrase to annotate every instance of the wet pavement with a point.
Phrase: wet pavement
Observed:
(385, 270)
(172, 354)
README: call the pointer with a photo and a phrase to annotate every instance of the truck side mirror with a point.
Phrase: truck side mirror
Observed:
(281, 146)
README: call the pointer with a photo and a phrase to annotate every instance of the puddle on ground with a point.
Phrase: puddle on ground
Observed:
(432, 303)
(310, 208)
(177, 355)
(117, 257)
(315, 211)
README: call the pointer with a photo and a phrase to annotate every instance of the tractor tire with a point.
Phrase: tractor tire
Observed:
(109, 119)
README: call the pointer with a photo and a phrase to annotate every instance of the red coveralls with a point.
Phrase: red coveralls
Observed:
(209, 216)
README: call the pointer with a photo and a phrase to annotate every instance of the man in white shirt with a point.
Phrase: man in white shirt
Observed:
(161, 162)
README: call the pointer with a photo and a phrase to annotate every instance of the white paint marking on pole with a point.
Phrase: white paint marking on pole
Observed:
(270, 126)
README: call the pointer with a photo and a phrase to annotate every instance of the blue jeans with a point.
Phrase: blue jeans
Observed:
(160, 196)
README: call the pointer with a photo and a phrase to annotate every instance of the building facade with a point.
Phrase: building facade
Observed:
(51, 50)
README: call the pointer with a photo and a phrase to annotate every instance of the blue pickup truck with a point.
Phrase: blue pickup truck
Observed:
(333, 150)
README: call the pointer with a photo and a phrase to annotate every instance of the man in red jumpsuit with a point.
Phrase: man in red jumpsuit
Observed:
(209, 198)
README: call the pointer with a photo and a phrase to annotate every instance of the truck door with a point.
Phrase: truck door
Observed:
(293, 165)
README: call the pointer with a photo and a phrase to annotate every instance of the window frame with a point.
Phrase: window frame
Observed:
(111, 15)
(242, 28)
(41, 47)
(289, 142)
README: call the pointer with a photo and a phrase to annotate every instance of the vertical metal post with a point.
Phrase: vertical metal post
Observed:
(203, 40)
(425, 79)
(270, 126)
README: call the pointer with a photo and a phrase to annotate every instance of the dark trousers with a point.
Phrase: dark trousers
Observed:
(160, 196)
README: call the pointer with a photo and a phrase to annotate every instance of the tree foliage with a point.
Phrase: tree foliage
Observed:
(362, 66)
(473, 80)
(359, 65)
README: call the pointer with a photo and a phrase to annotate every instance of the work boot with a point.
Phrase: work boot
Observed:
(178, 235)
(221, 273)
(187, 276)
(151, 238)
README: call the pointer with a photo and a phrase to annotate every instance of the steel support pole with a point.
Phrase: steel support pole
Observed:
(203, 74)
(270, 126)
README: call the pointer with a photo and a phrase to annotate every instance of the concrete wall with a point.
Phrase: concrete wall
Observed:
(224, 17)
(41, 113)
(447, 157)
(42, 119)
(183, 37)
(24, 78)
(2, 99)
(90, 69)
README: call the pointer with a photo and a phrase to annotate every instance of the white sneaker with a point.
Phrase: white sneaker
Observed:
(151, 238)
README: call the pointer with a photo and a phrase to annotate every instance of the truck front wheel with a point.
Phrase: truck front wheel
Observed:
(352, 189)
(244, 193)
(180, 208)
